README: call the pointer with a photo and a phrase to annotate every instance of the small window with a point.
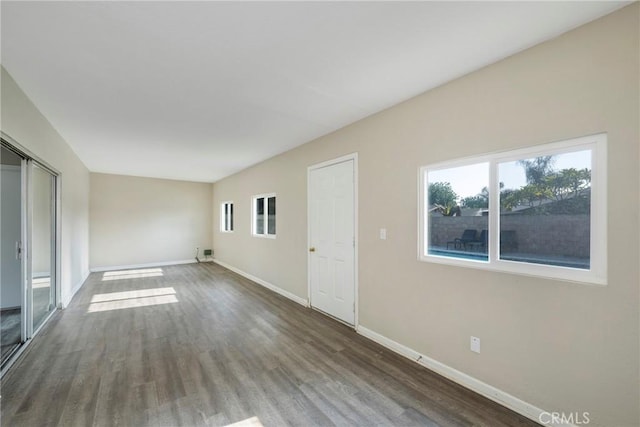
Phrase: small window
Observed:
(264, 215)
(226, 217)
(538, 211)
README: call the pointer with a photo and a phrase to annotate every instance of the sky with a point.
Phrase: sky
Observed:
(469, 180)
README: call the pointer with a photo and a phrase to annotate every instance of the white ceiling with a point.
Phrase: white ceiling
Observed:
(200, 90)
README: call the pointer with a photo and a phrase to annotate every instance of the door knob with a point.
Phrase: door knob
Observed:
(312, 249)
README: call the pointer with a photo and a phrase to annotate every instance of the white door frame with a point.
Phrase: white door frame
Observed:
(342, 159)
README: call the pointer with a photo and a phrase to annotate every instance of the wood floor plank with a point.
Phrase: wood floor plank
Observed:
(80, 408)
(200, 345)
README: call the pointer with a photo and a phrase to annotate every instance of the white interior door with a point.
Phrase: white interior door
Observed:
(332, 239)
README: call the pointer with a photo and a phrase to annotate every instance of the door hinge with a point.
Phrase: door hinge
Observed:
(19, 250)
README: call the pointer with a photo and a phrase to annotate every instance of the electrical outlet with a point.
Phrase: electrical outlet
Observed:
(475, 344)
(383, 234)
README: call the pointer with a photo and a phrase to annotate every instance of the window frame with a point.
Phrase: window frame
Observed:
(597, 272)
(265, 219)
(226, 223)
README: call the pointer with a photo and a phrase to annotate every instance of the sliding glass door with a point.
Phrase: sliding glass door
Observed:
(29, 270)
(42, 248)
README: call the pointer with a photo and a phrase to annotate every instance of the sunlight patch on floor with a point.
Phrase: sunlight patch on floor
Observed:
(132, 299)
(139, 293)
(249, 422)
(131, 303)
(131, 274)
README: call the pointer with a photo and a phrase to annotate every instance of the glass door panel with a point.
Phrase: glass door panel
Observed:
(42, 244)
(11, 276)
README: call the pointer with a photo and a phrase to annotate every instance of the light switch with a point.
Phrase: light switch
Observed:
(475, 344)
(383, 234)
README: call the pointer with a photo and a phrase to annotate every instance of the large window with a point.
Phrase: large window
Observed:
(226, 217)
(264, 215)
(536, 211)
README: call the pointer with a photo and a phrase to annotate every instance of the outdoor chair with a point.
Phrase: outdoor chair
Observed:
(480, 245)
(461, 242)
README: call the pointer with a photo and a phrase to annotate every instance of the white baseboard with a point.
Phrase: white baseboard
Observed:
(503, 398)
(267, 285)
(151, 264)
(67, 298)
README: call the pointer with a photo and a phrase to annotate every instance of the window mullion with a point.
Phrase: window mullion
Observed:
(494, 211)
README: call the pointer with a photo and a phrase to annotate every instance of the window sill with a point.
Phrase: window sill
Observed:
(265, 236)
(563, 273)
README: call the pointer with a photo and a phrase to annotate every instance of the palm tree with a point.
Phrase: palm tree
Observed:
(537, 169)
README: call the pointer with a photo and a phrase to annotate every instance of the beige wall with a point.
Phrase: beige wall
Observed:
(145, 220)
(557, 345)
(22, 121)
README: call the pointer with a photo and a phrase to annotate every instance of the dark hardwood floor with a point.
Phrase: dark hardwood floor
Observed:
(199, 345)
